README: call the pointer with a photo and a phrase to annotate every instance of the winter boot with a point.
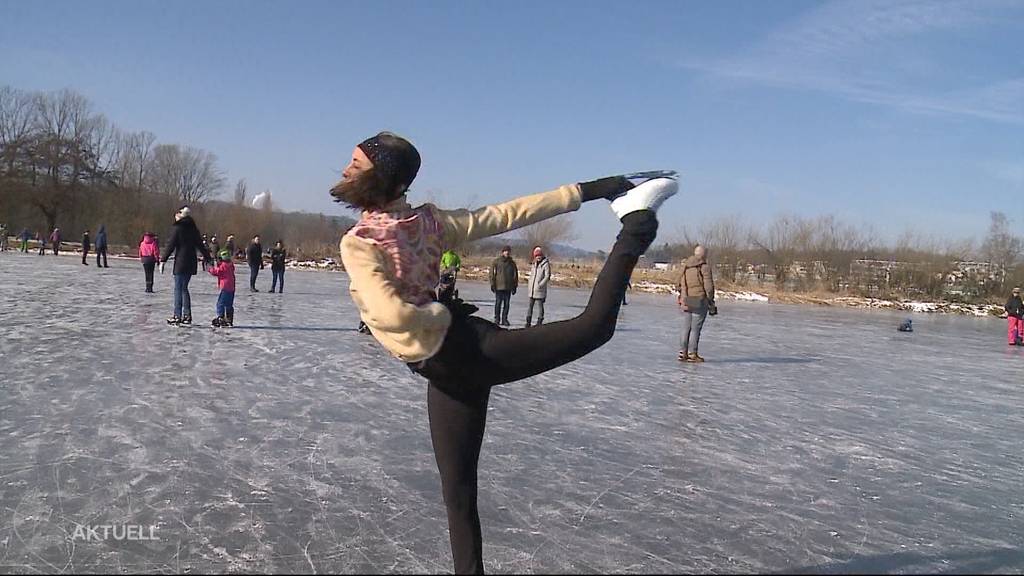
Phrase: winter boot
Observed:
(683, 356)
(695, 358)
(230, 321)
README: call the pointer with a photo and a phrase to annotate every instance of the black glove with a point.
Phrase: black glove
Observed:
(609, 188)
(712, 309)
(459, 308)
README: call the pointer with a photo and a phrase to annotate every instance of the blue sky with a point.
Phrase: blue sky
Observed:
(893, 114)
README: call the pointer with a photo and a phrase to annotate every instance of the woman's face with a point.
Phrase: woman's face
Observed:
(357, 165)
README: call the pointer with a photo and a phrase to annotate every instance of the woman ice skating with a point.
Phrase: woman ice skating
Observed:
(225, 273)
(277, 258)
(392, 256)
(149, 254)
(697, 301)
(184, 243)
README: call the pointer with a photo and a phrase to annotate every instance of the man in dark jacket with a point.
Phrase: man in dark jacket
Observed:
(254, 255)
(101, 246)
(277, 258)
(86, 245)
(185, 240)
(1015, 316)
(504, 281)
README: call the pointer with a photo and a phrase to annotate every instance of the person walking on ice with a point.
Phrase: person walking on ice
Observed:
(1015, 318)
(392, 257)
(540, 276)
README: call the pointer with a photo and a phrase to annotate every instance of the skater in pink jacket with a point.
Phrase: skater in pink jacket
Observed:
(225, 273)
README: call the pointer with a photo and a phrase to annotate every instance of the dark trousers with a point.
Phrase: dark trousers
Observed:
(149, 264)
(278, 275)
(85, 254)
(502, 298)
(254, 270)
(477, 355)
(101, 252)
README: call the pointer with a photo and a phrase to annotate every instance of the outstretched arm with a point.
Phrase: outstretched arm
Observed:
(465, 225)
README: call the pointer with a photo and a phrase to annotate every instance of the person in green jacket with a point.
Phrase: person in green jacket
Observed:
(450, 261)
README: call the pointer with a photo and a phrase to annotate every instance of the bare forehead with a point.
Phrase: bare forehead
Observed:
(359, 156)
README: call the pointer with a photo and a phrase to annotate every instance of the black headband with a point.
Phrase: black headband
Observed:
(393, 156)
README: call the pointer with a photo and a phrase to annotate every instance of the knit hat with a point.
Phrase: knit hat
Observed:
(537, 252)
(393, 156)
(224, 255)
(185, 212)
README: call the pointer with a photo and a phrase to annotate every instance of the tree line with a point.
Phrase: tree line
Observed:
(825, 254)
(63, 164)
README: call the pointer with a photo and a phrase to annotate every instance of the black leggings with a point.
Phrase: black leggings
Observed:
(477, 355)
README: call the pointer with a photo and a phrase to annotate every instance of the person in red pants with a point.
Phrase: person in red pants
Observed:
(1015, 318)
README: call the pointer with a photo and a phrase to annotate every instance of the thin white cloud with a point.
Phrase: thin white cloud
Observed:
(859, 51)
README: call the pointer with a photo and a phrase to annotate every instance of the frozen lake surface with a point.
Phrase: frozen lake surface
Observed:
(813, 439)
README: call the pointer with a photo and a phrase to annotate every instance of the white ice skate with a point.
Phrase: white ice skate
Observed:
(647, 196)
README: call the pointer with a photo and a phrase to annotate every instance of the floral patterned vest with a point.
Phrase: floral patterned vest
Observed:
(411, 238)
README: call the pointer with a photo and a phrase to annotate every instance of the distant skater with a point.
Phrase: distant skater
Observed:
(101, 246)
(149, 255)
(55, 240)
(392, 256)
(1015, 318)
(277, 259)
(86, 245)
(254, 255)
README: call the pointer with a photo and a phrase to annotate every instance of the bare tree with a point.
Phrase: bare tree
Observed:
(547, 233)
(1001, 248)
(189, 174)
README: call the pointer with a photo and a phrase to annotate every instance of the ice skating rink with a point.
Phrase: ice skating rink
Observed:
(813, 439)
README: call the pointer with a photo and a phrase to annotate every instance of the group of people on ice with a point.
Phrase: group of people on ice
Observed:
(185, 244)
